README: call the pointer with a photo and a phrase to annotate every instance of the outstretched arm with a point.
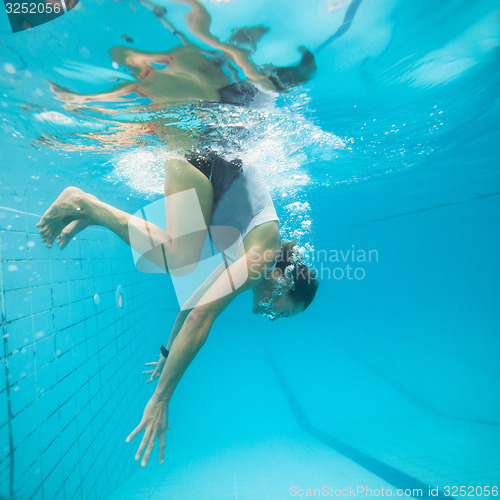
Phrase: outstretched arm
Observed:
(191, 337)
(179, 321)
(158, 365)
(160, 13)
(240, 276)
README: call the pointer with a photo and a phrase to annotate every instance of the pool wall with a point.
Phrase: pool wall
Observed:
(71, 387)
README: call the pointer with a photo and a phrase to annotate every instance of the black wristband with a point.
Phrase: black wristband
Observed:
(164, 351)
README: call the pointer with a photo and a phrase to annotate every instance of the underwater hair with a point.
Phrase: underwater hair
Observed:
(305, 282)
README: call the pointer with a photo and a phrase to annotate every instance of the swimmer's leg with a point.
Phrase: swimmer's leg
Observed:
(300, 73)
(116, 93)
(74, 210)
(180, 176)
(199, 22)
(69, 208)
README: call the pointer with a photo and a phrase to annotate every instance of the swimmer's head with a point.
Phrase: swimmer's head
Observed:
(293, 286)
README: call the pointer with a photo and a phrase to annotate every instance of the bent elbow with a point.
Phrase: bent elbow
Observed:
(200, 319)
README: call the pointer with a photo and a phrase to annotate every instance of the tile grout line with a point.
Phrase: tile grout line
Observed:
(109, 324)
(7, 388)
(78, 424)
(37, 395)
(19, 211)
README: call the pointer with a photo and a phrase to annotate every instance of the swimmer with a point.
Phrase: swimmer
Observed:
(189, 73)
(230, 195)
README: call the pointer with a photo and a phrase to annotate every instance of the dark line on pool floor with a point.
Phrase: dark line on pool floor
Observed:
(427, 209)
(386, 472)
(414, 398)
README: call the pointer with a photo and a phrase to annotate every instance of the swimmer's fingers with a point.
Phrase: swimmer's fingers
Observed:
(158, 430)
(150, 379)
(161, 442)
(134, 432)
(151, 443)
(155, 374)
(154, 423)
(144, 442)
(150, 372)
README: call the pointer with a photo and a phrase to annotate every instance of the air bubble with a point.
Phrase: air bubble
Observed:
(9, 68)
(84, 52)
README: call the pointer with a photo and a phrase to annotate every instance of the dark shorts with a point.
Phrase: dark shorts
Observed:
(238, 93)
(220, 172)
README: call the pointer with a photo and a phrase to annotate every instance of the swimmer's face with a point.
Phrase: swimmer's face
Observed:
(283, 306)
(286, 307)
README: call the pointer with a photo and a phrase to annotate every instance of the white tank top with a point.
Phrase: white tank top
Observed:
(245, 205)
(241, 198)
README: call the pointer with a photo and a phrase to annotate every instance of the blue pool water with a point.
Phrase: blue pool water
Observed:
(391, 150)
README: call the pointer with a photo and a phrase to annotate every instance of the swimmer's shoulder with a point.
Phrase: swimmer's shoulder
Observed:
(264, 240)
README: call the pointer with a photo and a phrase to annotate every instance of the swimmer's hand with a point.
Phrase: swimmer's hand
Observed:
(156, 372)
(154, 424)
